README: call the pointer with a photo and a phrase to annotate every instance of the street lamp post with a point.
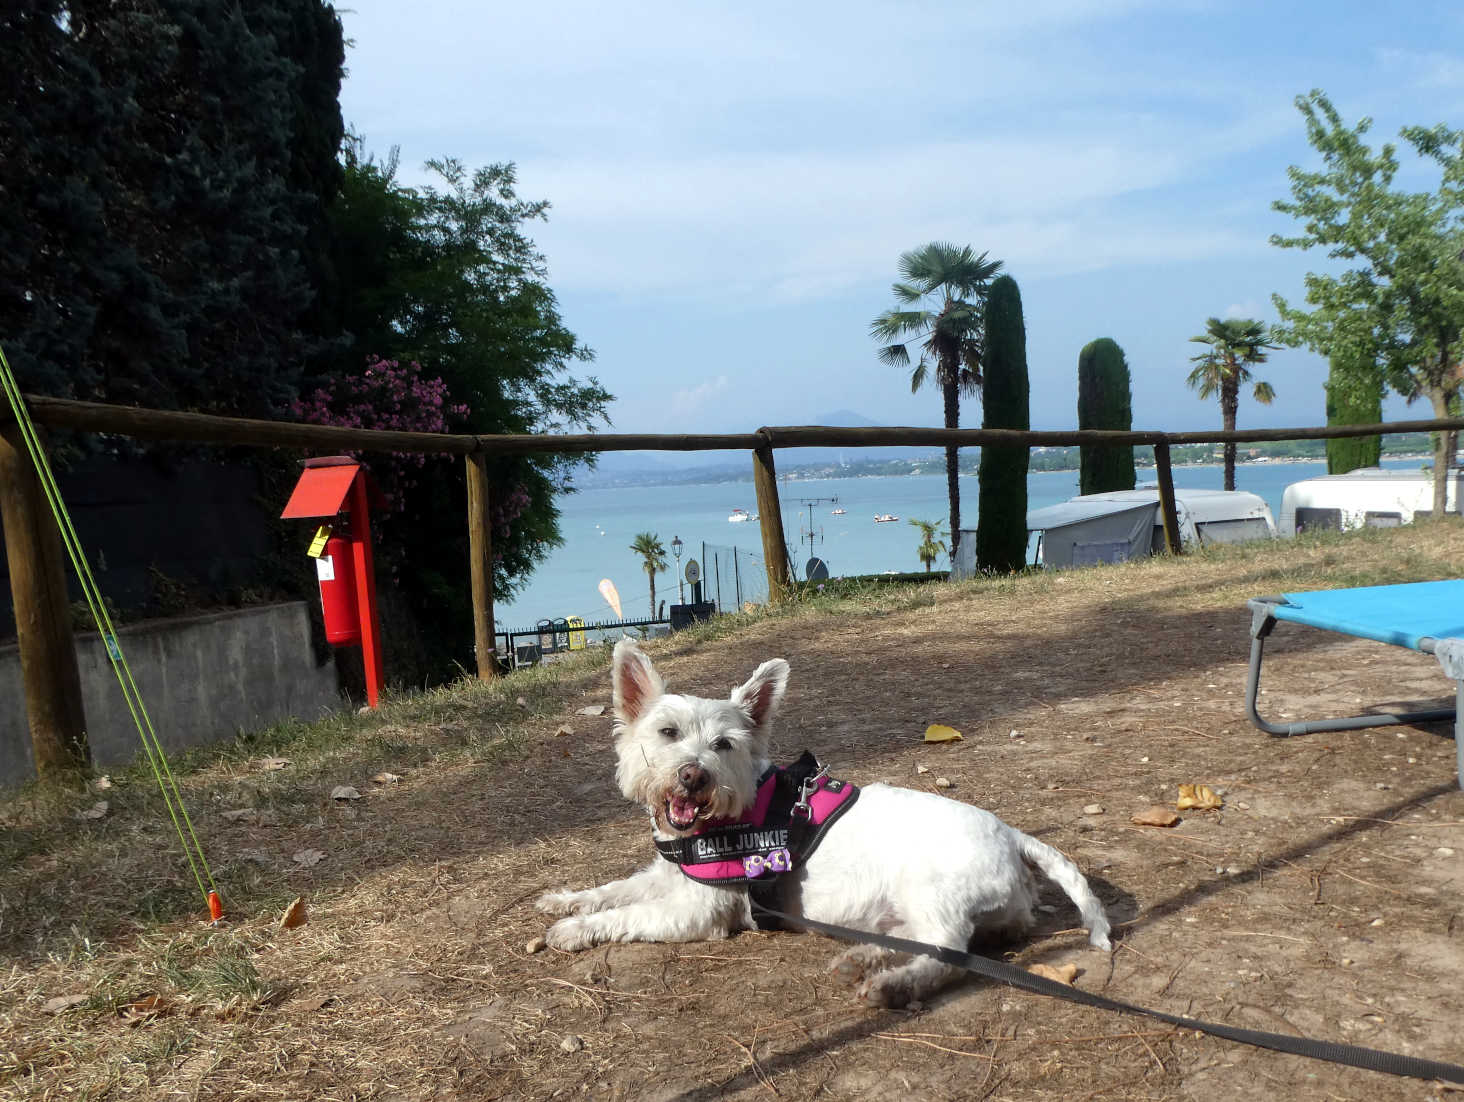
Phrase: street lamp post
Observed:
(676, 546)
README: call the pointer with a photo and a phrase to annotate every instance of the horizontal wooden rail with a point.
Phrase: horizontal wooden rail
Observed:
(203, 428)
(53, 683)
(819, 436)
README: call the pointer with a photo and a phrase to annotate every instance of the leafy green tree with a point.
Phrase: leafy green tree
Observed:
(1235, 345)
(1354, 397)
(1105, 401)
(652, 551)
(446, 277)
(932, 542)
(941, 298)
(1398, 309)
(167, 167)
(1001, 524)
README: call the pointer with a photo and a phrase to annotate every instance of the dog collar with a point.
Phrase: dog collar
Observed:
(793, 810)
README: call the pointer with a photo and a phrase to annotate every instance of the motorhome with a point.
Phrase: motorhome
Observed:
(1370, 497)
(1126, 524)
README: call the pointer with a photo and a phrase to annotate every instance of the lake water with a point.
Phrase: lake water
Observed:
(599, 525)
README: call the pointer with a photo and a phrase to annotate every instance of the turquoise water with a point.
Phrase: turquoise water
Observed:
(599, 525)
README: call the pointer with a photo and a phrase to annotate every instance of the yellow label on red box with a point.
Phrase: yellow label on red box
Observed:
(317, 545)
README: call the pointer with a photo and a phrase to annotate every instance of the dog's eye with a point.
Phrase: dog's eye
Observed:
(670, 732)
(722, 744)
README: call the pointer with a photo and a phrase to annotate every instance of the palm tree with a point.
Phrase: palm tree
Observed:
(941, 302)
(653, 560)
(1235, 344)
(931, 545)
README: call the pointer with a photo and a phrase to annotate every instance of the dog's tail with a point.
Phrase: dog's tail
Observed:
(1065, 874)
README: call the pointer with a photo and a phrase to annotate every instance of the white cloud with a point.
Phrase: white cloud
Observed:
(1426, 68)
(692, 401)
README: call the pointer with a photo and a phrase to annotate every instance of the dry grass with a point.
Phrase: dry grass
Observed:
(1321, 900)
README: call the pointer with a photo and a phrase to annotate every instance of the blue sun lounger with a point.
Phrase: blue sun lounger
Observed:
(1423, 616)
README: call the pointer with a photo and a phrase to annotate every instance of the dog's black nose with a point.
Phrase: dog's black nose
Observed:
(693, 777)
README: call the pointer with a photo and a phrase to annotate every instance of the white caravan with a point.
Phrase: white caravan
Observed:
(1370, 497)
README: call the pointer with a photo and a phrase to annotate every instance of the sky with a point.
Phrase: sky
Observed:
(731, 185)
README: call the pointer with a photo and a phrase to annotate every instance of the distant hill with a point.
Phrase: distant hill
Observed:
(647, 468)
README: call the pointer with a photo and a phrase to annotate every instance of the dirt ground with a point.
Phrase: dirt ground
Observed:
(1323, 899)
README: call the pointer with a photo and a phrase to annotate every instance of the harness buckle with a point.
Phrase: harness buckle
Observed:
(806, 789)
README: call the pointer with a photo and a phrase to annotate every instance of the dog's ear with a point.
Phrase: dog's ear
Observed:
(760, 695)
(637, 684)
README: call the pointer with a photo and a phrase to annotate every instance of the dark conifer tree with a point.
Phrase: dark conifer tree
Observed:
(1353, 398)
(1104, 402)
(1001, 523)
(167, 168)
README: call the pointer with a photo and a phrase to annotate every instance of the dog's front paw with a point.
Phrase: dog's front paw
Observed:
(570, 934)
(558, 903)
(856, 962)
(887, 990)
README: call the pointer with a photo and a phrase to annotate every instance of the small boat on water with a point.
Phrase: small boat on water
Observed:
(884, 518)
(838, 512)
(739, 515)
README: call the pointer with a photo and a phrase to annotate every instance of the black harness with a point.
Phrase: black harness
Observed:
(794, 809)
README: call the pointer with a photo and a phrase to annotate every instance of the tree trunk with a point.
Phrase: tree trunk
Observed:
(951, 398)
(1443, 452)
(1229, 404)
(652, 576)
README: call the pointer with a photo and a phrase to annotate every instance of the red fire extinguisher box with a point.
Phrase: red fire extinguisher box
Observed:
(328, 488)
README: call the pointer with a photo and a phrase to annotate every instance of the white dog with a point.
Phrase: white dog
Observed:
(910, 864)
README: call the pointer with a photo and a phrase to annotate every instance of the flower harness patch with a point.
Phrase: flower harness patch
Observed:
(793, 810)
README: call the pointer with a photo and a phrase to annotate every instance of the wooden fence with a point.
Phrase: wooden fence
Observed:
(37, 571)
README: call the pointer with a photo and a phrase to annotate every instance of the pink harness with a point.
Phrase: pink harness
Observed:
(793, 810)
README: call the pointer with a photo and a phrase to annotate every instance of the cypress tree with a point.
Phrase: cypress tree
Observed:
(1353, 399)
(1104, 402)
(1001, 519)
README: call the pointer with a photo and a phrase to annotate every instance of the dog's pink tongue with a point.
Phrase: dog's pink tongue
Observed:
(682, 811)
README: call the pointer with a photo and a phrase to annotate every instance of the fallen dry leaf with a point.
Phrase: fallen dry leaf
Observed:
(307, 858)
(939, 732)
(295, 914)
(149, 1006)
(591, 710)
(101, 784)
(96, 811)
(344, 792)
(521, 702)
(270, 765)
(1156, 816)
(1200, 797)
(564, 729)
(1061, 973)
(62, 1003)
(386, 778)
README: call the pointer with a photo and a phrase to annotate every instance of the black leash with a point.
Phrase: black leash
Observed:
(1369, 1059)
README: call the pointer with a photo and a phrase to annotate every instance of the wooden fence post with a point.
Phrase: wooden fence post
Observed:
(48, 667)
(770, 512)
(480, 565)
(1172, 542)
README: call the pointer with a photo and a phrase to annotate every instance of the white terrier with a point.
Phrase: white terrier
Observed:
(910, 864)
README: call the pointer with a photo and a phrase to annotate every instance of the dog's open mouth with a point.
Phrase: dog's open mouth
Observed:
(682, 813)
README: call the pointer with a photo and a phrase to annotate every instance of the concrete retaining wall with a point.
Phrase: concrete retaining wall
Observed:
(202, 678)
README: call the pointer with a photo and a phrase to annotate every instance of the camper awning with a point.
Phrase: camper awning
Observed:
(1079, 510)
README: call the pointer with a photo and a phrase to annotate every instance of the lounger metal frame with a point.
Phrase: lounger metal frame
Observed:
(1450, 655)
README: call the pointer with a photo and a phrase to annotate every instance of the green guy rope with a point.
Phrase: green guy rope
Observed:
(167, 783)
